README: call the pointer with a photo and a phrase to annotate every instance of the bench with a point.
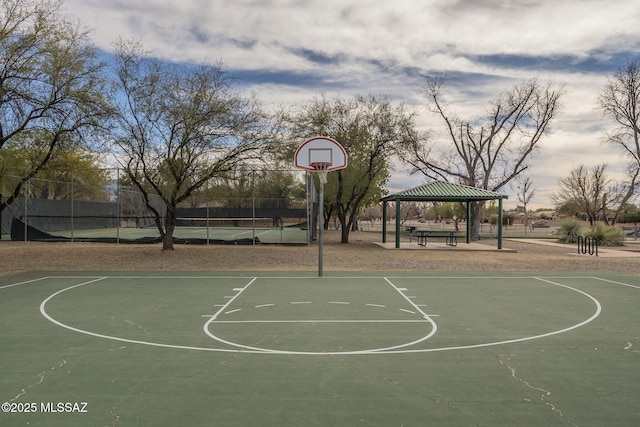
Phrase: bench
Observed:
(423, 235)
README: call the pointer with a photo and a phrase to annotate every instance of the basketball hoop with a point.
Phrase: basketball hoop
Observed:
(321, 168)
(320, 155)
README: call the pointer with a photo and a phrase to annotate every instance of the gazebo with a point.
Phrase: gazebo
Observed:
(441, 191)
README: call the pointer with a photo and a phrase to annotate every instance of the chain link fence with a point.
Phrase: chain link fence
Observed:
(255, 206)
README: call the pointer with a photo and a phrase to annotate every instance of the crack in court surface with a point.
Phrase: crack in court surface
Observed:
(545, 393)
(629, 345)
(41, 377)
(144, 330)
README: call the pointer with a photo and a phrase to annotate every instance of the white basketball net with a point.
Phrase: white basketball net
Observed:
(321, 170)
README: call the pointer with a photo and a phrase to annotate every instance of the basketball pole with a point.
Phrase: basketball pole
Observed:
(321, 155)
(321, 224)
(321, 171)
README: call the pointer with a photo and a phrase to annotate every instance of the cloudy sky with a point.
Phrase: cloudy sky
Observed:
(288, 51)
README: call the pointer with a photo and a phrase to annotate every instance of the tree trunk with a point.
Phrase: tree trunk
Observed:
(476, 219)
(344, 230)
(169, 227)
(167, 242)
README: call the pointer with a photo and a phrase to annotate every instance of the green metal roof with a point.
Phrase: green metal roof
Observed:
(445, 192)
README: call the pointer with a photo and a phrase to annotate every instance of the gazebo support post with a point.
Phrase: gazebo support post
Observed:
(468, 222)
(384, 222)
(499, 223)
(397, 223)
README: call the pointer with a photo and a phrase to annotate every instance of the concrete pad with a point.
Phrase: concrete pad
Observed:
(441, 246)
(603, 252)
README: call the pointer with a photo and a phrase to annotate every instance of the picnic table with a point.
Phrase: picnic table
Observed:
(423, 235)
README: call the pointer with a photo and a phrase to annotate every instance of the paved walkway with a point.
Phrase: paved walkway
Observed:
(602, 252)
(481, 247)
(441, 246)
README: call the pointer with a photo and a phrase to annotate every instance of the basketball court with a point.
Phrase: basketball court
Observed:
(304, 349)
(297, 349)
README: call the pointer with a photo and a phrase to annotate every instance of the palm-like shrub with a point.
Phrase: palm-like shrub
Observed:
(569, 231)
(606, 236)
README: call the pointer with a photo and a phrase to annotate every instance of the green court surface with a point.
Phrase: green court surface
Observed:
(268, 235)
(346, 349)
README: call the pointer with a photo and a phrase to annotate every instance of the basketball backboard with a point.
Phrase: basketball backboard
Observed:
(320, 155)
(320, 151)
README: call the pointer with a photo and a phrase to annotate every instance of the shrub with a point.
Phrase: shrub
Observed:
(569, 231)
(606, 236)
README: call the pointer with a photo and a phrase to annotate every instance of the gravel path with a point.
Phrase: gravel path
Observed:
(361, 254)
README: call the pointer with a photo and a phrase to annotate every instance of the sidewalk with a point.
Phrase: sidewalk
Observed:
(440, 246)
(603, 252)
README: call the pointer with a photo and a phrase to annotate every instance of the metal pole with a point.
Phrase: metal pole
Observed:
(253, 205)
(321, 223)
(26, 209)
(397, 223)
(72, 216)
(500, 223)
(468, 221)
(118, 206)
(307, 177)
(207, 192)
(384, 222)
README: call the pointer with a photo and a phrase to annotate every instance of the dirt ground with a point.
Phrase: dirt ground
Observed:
(361, 254)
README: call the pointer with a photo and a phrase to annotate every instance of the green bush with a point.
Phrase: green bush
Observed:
(607, 236)
(569, 231)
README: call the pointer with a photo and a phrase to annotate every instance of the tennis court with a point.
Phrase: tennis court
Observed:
(292, 349)
(205, 235)
(225, 231)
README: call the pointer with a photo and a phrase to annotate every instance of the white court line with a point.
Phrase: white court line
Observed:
(320, 321)
(426, 318)
(109, 337)
(23, 283)
(231, 300)
(410, 302)
(617, 283)
(535, 337)
(250, 233)
(325, 278)
(381, 351)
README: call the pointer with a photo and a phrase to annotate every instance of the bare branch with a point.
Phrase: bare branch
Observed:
(491, 151)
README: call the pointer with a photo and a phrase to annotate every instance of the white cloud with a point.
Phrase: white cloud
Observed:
(405, 30)
(368, 46)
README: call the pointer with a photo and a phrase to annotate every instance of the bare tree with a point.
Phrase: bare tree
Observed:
(525, 194)
(589, 192)
(51, 86)
(492, 151)
(371, 129)
(620, 101)
(178, 127)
